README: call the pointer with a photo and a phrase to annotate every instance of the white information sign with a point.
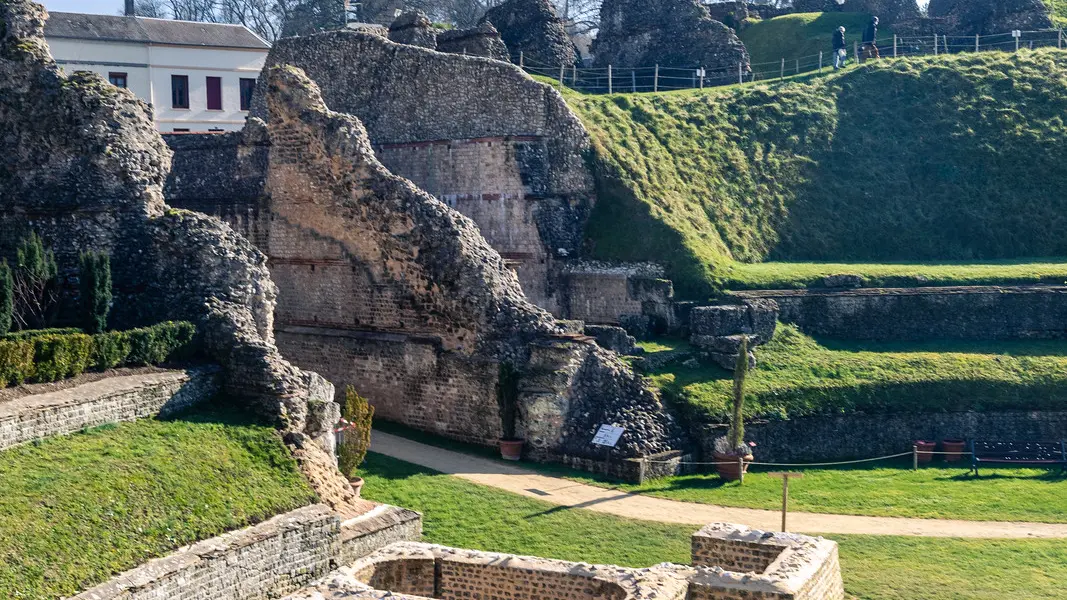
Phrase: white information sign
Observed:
(608, 435)
(1016, 33)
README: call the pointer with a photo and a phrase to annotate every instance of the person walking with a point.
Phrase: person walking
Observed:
(840, 51)
(870, 41)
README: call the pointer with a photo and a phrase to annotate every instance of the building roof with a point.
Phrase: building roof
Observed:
(109, 28)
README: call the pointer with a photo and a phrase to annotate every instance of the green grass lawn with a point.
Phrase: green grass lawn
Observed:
(797, 376)
(76, 510)
(463, 514)
(1058, 8)
(929, 159)
(786, 275)
(801, 35)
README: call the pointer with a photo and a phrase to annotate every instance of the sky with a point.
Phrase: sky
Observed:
(103, 7)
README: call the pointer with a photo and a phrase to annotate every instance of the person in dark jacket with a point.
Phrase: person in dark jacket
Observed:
(840, 51)
(870, 40)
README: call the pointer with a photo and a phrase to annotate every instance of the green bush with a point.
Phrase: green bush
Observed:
(33, 333)
(356, 438)
(7, 298)
(57, 357)
(50, 355)
(95, 286)
(16, 361)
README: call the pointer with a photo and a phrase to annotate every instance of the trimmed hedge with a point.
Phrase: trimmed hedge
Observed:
(50, 355)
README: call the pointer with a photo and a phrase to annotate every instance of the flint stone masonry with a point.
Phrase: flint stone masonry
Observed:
(268, 560)
(730, 562)
(81, 164)
(506, 147)
(887, 11)
(109, 400)
(865, 436)
(415, 29)
(636, 296)
(720, 329)
(668, 33)
(969, 313)
(986, 17)
(481, 40)
(533, 28)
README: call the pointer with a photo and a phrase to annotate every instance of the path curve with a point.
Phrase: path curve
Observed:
(572, 494)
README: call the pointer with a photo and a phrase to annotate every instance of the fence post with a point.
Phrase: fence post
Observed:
(1059, 39)
(610, 90)
(1017, 43)
(798, 66)
(820, 61)
(655, 80)
(894, 45)
(945, 39)
(935, 44)
(781, 75)
(522, 64)
(633, 80)
(856, 51)
(976, 38)
(741, 468)
(561, 68)
(702, 73)
(740, 73)
(915, 458)
(574, 76)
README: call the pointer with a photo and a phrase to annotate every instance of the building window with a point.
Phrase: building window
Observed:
(248, 88)
(117, 79)
(181, 130)
(179, 91)
(214, 93)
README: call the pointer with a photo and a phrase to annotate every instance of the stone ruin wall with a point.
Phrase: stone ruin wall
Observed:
(730, 562)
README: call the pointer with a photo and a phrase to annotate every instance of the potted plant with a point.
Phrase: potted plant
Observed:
(356, 417)
(954, 449)
(507, 394)
(925, 450)
(731, 454)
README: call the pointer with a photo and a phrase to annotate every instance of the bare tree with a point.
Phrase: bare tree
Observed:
(155, 9)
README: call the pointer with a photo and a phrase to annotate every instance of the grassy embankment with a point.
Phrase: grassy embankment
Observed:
(950, 158)
(76, 510)
(463, 514)
(801, 36)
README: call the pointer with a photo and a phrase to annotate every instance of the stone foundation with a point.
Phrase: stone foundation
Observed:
(730, 562)
(970, 313)
(109, 400)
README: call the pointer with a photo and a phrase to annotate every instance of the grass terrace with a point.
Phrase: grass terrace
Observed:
(79, 509)
(463, 514)
(802, 34)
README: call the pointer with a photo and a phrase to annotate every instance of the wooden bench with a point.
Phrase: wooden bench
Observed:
(1047, 454)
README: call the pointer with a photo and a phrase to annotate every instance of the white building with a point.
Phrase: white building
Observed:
(196, 76)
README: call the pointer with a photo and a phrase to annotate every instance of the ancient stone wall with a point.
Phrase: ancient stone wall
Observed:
(109, 400)
(973, 313)
(741, 554)
(618, 294)
(82, 165)
(275, 557)
(533, 28)
(867, 436)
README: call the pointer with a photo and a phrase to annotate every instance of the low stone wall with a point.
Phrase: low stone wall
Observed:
(973, 313)
(745, 554)
(614, 294)
(846, 437)
(108, 400)
(275, 557)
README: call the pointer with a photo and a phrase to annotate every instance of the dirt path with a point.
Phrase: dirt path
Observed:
(635, 506)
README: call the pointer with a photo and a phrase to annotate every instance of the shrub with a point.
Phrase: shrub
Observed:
(95, 286)
(7, 298)
(32, 333)
(110, 349)
(356, 438)
(59, 356)
(35, 282)
(16, 361)
(160, 343)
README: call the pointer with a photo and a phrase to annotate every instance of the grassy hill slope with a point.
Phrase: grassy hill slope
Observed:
(935, 158)
(802, 35)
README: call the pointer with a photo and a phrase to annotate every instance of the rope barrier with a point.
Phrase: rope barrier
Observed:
(818, 464)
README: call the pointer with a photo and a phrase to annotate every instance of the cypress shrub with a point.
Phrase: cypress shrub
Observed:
(355, 439)
(95, 283)
(35, 278)
(7, 298)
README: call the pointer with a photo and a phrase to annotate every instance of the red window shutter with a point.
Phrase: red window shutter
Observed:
(214, 93)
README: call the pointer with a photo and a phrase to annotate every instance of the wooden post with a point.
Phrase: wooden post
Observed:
(798, 66)
(740, 73)
(935, 44)
(944, 38)
(574, 76)
(633, 80)
(785, 492)
(976, 38)
(610, 87)
(820, 61)
(856, 51)
(655, 80)
(561, 67)
(915, 458)
(1059, 39)
(741, 468)
(894, 45)
(781, 74)
(522, 64)
(1017, 43)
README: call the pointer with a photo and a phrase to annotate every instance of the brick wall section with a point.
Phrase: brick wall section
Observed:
(734, 555)
(275, 557)
(382, 526)
(609, 294)
(108, 400)
(463, 577)
(974, 313)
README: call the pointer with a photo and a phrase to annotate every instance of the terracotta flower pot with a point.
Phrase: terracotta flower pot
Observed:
(925, 448)
(357, 485)
(954, 450)
(511, 449)
(729, 467)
